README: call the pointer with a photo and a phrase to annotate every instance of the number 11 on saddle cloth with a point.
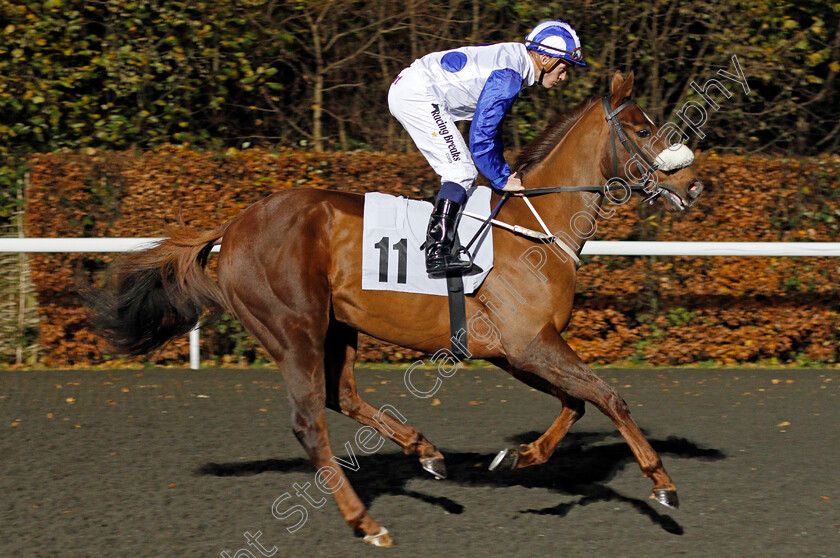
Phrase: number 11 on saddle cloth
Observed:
(394, 229)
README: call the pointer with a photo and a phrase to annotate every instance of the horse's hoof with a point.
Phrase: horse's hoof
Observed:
(435, 466)
(382, 538)
(667, 498)
(505, 459)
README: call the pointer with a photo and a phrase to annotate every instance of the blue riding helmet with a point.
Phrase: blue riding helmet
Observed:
(556, 39)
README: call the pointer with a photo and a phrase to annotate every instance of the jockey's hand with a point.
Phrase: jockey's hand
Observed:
(513, 184)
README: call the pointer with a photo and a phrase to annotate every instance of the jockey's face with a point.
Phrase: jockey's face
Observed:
(555, 71)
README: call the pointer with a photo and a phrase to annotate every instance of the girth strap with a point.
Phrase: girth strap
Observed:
(457, 310)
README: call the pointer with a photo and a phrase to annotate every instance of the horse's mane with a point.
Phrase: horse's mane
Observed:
(548, 139)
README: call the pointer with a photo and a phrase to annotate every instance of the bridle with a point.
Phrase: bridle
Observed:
(616, 129)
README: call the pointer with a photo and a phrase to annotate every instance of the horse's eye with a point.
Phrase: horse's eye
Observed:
(643, 133)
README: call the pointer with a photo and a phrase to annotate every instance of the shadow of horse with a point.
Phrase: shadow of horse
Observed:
(581, 468)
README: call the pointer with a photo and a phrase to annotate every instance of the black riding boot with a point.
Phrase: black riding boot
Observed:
(440, 237)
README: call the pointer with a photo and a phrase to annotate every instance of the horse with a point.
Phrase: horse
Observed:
(289, 269)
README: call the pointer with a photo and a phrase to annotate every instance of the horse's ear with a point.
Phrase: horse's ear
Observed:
(621, 88)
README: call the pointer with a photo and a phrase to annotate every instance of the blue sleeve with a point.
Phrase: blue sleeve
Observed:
(486, 147)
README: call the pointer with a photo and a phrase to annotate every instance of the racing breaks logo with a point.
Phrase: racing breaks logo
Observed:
(444, 132)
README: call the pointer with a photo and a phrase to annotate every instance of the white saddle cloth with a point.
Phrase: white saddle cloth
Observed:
(394, 229)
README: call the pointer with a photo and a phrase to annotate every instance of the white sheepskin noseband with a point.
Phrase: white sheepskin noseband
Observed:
(675, 157)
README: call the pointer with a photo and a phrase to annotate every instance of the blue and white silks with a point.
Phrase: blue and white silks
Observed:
(478, 83)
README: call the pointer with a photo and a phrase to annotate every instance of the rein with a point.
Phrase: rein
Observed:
(531, 192)
(616, 129)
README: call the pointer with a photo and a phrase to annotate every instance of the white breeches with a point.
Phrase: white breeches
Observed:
(430, 125)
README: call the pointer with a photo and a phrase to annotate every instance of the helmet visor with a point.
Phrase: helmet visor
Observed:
(575, 55)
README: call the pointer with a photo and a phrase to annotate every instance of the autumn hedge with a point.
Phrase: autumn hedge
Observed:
(654, 310)
(113, 75)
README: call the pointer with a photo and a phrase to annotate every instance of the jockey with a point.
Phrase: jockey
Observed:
(478, 83)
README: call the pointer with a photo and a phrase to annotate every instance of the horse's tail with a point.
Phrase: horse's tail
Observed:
(159, 293)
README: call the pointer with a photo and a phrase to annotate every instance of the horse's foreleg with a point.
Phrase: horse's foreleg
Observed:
(540, 450)
(343, 397)
(550, 357)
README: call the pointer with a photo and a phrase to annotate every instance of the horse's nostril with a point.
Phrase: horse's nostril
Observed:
(695, 189)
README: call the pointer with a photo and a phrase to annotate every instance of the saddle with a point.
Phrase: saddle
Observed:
(392, 260)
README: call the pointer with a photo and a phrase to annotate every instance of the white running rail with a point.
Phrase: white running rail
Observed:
(591, 248)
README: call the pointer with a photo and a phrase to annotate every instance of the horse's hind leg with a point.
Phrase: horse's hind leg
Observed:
(550, 358)
(343, 397)
(299, 353)
(288, 312)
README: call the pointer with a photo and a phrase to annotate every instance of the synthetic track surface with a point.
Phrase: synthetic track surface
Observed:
(135, 463)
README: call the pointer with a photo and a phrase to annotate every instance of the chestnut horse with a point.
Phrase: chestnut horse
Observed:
(289, 269)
